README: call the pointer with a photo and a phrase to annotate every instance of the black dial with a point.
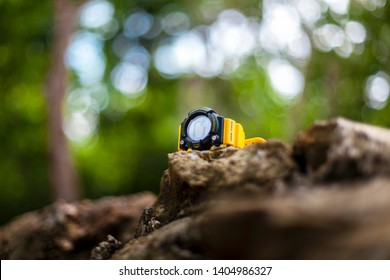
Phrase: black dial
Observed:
(201, 130)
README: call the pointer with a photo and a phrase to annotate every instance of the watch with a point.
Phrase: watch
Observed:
(203, 129)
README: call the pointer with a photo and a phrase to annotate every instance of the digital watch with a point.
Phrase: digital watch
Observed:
(203, 129)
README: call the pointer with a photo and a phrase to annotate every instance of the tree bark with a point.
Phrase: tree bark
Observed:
(63, 176)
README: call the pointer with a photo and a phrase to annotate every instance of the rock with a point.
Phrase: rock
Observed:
(326, 198)
(325, 222)
(196, 176)
(106, 248)
(71, 230)
(343, 150)
(177, 240)
(341, 221)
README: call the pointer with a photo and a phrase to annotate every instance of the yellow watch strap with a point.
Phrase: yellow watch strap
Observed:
(234, 135)
(178, 141)
(253, 140)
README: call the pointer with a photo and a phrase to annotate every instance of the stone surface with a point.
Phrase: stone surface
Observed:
(342, 150)
(197, 176)
(325, 222)
(326, 197)
(71, 230)
(106, 248)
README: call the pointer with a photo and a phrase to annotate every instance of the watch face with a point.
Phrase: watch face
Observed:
(199, 127)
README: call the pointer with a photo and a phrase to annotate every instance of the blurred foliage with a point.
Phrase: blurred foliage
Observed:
(25, 32)
(124, 107)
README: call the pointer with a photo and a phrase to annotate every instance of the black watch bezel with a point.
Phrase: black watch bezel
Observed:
(213, 138)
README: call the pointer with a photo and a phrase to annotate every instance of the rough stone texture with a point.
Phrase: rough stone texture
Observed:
(71, 230)
(198, 176)
(326, 222)
(106, 248)
(326, 197)
(341, 150)
(340, 221)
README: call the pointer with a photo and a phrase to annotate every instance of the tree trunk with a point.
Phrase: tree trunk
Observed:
(63, 176)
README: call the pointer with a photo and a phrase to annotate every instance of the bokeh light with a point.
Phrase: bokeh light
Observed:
(377, 90)
(96, 14)
(138, 24)
(86, 58)
(285, 78)
(130, 79)
(281, 37)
